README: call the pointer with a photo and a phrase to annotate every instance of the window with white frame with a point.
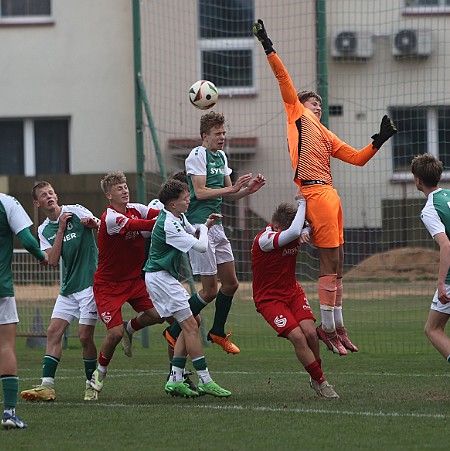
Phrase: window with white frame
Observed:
(25, 11)
(227, 45)
(424, 129)
(34, 146)
(423, 6)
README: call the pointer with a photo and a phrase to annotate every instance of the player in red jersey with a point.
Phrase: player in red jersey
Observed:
(278, 296)
(311, 146)
(121, 245)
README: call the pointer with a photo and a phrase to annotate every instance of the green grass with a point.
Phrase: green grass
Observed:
(395, 401)
(394, 393)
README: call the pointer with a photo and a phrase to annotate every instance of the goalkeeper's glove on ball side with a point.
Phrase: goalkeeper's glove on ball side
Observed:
(261, 34)
(387, 129)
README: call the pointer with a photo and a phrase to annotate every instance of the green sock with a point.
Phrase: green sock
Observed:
(223, 305)
(49, 366)
(200, 363)
(179, 361)
(89, 367)
(10, 388)
(197, 305)
(202, 370)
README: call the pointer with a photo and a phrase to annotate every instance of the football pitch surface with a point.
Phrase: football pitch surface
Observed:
(395, 400)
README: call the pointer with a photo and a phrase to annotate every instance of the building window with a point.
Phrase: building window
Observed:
(11, 148)
(427, 6)
(227, 44)
(25, 12)
(34, 146)
(25, 8)
(421, 130)
(427, 2)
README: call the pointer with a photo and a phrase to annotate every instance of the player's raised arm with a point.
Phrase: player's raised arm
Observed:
(294, 230)
(350, 155)
(287, 88)
(261, 34)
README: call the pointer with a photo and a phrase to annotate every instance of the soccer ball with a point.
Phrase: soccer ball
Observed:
(203, 94)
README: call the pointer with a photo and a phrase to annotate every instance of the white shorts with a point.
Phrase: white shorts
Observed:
(219, 251)
(437, 305)
(168, 295)
(79, 305)
(8, 311)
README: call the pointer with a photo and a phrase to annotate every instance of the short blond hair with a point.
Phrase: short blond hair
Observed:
(112, 179)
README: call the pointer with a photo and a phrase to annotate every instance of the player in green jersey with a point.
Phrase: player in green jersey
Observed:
(427, 172)
(172, 237)
(209, 181)
(13, 221)
(68, 233)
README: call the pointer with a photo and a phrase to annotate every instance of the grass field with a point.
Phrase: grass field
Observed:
(393, 396)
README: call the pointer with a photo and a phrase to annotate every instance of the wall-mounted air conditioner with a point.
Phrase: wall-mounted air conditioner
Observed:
(351, 44)
(412, 43)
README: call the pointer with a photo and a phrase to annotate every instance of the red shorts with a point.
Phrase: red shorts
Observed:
(324, 214)
(110, 297)
(284, 315)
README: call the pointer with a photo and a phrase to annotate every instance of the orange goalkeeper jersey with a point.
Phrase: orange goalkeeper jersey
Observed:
(311, 144)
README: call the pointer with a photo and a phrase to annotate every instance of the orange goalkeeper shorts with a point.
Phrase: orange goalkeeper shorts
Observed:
(324, 214)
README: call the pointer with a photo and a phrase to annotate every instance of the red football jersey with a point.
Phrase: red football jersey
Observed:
(121, 252)
(273, 269)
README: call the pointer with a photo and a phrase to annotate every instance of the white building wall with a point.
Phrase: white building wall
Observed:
(370, 88)
(81, 67)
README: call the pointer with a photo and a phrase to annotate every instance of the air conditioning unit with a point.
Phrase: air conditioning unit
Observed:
(412, 43)
(347, 44)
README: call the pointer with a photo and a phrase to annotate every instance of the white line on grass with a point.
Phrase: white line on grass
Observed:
(259, 409)
(128, 373)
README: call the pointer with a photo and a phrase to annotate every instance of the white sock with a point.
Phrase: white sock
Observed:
(48, 381)
(338, 318)
(176, 374)
(102, 370)
(204, 376)
(327, 316)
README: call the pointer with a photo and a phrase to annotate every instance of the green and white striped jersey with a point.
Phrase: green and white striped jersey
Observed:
(79, 250)
(171, 238)
(214, 166)
(13, 219)
(436, 215)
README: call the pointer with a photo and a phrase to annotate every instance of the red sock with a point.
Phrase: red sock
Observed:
(135, 325)
(315, 372)
(102, 360)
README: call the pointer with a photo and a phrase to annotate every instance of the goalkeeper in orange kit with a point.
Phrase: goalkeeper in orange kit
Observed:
(311, 146)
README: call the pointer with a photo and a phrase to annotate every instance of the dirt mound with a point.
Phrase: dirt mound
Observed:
(406, 263)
